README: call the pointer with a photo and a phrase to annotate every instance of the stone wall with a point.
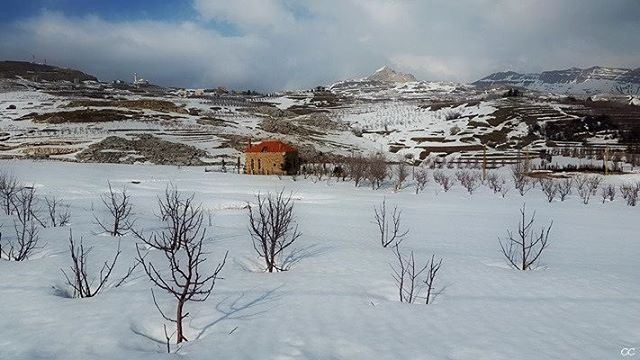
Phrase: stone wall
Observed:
(266, 163)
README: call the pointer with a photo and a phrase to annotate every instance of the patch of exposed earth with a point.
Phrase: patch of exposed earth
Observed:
(140, 149)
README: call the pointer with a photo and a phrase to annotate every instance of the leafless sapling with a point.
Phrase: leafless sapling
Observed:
(433, 266)
(470, 180)
(630, 193)
(389, 228)
(422, 178)
(401, 175)
(587, 186)
(120, 217)
(410, 280)
(564, 188)
(82, 285)
(186, 280)
(495, 182)
(443, 179)
(608, 192)
(273, 230)
(25, 225)
(357, 168)
(9, 186)
(521, 180)
(594, 183)
(58, 211)
(549, 188)
(406, 275)
(524, 249)
(378, 170)
(504, 190)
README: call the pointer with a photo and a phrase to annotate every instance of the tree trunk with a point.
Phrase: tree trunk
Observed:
(179, 317)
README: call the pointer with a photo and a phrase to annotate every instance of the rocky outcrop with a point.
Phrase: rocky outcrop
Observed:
(144, 148)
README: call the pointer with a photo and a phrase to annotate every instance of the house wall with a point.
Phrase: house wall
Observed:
(264, 163)
(271, 163)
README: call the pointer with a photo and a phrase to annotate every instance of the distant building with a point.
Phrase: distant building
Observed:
(139, 81)
(271, 157)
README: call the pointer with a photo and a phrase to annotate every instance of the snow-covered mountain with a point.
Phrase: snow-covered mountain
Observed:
(387, 83)
(575, 81)
(388, 75)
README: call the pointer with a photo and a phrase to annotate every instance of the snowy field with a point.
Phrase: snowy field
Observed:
(340, 300)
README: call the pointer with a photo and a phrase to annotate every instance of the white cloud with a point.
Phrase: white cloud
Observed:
(299, 44)
(247, 14)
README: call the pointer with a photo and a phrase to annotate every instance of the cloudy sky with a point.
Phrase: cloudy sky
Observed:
(287, 44)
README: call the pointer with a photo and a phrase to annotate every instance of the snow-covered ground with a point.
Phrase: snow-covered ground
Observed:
(339, 301)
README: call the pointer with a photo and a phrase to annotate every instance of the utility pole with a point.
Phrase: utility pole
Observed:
(605, 159)
(484, 164)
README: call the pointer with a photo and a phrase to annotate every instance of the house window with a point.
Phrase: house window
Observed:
(259, 164)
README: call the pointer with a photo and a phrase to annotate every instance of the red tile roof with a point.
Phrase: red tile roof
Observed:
(274, 146)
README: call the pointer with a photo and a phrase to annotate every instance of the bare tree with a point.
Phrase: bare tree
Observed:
(587, 186)
(406, 274)
(630, 193)
(186, 281)
(549, 188)
(25, 225)
(524, 249)
(120, 218)
(9, 186)
(495, 182)
(443, 179)
(582, 188)
(390, 229)
(470, 180)
(377, 170)
(78, 279)
(422, 178)
(402, 173)
(608, 192)
(357, 168)
(58, 211)
(273, 229)
(409, 277)
(521, 180)
(594, 183)
(26, 205)
(564, 188)
(504, 190)
(181, 218)
(433, 266)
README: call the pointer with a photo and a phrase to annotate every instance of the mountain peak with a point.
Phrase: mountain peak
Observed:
(389, 75)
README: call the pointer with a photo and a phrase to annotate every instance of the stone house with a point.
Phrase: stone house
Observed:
(271, 157)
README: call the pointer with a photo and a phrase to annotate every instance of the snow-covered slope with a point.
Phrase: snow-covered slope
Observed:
(595, 80)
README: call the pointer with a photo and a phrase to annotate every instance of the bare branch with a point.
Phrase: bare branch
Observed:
(390, 229)
(273, 229)
(78, 278)
(523, 250)
(120, 219)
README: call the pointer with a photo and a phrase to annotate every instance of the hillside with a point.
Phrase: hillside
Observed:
(39, 72)
(573, 81)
